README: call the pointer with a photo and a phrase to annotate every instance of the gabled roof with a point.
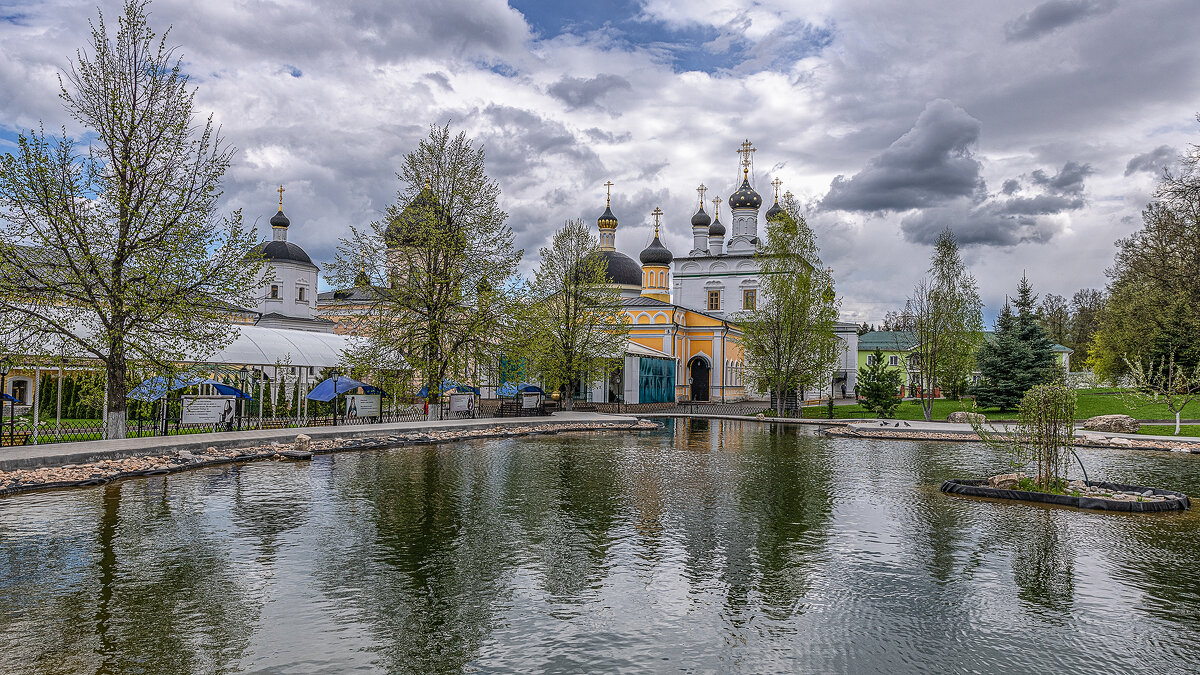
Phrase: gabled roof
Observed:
(904, 340)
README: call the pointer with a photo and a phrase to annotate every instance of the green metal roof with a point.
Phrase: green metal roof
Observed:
(904, 340)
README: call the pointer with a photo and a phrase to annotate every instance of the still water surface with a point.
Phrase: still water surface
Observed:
(704, 547)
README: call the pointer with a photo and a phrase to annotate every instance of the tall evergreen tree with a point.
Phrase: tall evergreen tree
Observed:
(1020, 357)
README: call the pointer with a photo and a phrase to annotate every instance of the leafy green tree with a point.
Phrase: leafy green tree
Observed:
(1020, 357)
(118, 250)
(573, 328)
(879, 386)
(1154, 284)
(945, 315)
(1054, 315)
(1086, 306)
(432, 277)
(788, 338)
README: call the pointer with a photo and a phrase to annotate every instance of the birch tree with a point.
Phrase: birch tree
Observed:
(433, 277)
(574, 328)
(789, 339)
(116, 247)
(945, 315)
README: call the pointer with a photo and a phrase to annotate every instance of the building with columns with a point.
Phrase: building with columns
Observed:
(689, 319)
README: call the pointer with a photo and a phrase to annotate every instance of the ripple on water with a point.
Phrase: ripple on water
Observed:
(705, 546)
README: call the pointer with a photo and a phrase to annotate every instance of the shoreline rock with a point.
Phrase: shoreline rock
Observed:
(104, 471)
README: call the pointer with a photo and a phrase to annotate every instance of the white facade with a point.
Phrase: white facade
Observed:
(729, 276)
(293, 291)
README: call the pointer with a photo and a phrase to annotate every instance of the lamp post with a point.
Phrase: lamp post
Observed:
(257, 377)
(5, 368)
(266, 390)
(241, 403)
(335, 397)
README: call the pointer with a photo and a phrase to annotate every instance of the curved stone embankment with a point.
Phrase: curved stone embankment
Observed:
(104, 471)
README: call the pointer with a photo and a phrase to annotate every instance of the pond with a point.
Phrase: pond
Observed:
(705, 546)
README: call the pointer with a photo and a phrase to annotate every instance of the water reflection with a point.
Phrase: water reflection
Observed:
(706, 545)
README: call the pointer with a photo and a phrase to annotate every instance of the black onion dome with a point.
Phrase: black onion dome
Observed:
(283, 251)
(656, 253)
(403, 229)
(774, 211)
(607, 219)
(701, 219)
(745, 197)
(716, 229)
(621, 269)
(280, 220)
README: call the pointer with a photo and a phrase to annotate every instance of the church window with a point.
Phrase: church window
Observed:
(300, 294)
(714, 300)
(748, 297)
(274, 292)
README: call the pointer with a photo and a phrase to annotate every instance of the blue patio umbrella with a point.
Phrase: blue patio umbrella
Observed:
(325, 391)
(157, 387)
(6, 397)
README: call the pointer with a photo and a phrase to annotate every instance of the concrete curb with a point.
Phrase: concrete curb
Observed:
(89, 452)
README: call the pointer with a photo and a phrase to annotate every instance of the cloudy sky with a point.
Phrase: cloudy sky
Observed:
(1035, 129)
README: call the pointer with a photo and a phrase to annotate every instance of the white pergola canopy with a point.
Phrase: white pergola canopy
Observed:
(260, 346)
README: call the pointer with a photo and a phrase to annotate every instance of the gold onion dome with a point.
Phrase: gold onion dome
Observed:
(745, 197)
(606, 219)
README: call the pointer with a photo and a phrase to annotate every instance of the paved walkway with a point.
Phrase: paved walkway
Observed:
(83, 452)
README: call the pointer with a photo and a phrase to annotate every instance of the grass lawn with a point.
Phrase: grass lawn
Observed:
(1087, 404)
(1169, 429)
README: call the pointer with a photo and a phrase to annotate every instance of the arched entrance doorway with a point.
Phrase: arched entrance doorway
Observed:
(698, 372)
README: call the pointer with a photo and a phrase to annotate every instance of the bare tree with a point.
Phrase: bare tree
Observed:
(117, 248)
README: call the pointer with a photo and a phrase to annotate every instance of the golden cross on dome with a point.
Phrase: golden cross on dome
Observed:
(657, 213)
(608, 197)
(745, 151)
(702, 189)
(776, 183)
(787, 196)
(716, 208)
(280, 191)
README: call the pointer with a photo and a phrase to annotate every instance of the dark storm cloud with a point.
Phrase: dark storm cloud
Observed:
(1052, 15)
(1041, 205)
(1068, 181)
(441, 79)
(518, 142)
(582, 92)
(929, 165)
(1010, 186)
(1151, 162)
(983, 225)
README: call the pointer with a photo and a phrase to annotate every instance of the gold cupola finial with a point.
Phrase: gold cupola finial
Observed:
(608, 193)
(745, 151)
(702, 190)
(776, 183)
(716, 208)
(281, 191)
(657, 213)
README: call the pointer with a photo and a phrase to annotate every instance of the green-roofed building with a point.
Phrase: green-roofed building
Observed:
(898, 349)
